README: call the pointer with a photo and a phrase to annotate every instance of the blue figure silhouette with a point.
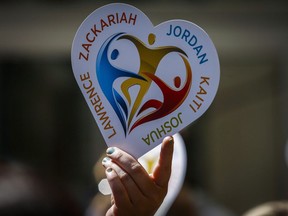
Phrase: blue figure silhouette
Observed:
(107, 74)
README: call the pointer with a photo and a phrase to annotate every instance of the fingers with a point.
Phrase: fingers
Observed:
(133, 177)
(162, 171)
(133, 168)
(120, 196)
(125, 179)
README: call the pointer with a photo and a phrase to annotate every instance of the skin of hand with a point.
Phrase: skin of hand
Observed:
(134, 191)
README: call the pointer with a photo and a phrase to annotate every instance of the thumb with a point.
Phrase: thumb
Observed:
(162, 171)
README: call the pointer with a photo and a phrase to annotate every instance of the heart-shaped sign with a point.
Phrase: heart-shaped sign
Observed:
(141, 82)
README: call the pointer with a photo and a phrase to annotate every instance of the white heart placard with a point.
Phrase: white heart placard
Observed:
(143, 82)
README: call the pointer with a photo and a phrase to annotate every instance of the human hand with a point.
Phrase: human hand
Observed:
(134, 191)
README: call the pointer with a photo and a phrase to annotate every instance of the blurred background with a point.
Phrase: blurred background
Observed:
(236, 151)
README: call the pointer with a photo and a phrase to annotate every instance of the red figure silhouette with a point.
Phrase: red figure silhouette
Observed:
(172, 99)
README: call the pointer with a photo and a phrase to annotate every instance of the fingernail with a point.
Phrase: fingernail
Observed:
(109, 170)
(171, 140)
(106, 159)
(110, 150)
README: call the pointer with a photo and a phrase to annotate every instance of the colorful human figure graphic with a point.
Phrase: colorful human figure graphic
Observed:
(127, 110)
